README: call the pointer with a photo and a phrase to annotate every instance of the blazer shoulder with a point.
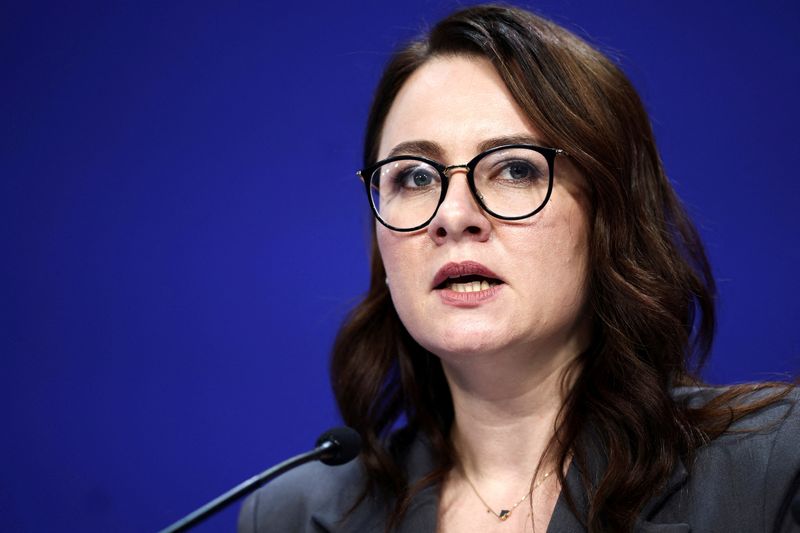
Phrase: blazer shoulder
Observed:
(782, 485)
(750, 474)
(297, 500)
(320, 498)
(771, 416)
(780, 404)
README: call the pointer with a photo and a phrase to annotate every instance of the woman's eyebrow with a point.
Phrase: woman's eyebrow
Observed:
(508, 139)
(433, 150)
(428, 149)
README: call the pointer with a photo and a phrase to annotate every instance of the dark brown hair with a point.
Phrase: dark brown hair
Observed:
(651, 292)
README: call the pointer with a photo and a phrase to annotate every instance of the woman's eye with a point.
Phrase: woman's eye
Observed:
(420, 179)
(519, 171)
(523, 171)
(416, 178)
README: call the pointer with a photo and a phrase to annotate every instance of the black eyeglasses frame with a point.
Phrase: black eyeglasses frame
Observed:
(548, 153)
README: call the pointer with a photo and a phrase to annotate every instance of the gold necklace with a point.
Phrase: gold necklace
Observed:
(505, 513)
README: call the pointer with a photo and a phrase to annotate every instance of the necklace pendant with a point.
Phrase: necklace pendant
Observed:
(504, 514)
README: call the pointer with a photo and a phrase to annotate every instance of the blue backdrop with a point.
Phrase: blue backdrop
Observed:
(182, 230)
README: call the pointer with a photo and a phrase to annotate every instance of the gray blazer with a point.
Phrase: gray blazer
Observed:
(740, 482)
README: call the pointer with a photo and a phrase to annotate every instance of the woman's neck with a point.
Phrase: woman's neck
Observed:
(505, 413)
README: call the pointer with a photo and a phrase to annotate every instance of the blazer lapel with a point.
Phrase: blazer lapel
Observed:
(564, 521)
(648, 522)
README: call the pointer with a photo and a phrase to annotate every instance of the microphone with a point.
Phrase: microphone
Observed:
(336, 446)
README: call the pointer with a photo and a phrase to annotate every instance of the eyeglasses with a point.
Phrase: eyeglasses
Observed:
(509, 182)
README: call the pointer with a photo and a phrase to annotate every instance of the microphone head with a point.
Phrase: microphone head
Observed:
(338, 446)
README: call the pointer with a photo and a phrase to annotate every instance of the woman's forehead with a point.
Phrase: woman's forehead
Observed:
(457, 103)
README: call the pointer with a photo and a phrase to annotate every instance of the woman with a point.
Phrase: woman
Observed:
(538, 308)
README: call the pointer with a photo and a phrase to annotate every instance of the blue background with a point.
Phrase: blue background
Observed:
(182, 231)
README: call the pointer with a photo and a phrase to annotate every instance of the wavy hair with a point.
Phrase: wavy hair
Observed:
(651, 292)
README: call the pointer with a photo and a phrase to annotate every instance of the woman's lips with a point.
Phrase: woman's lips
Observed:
(456, 284)
(468, 299)
(461, 270)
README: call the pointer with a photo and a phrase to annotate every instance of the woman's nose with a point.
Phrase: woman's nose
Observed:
(459, 217)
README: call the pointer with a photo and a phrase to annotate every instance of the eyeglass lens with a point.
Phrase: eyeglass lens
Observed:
(511, 183)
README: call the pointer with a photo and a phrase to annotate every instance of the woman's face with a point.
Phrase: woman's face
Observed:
(458, 106)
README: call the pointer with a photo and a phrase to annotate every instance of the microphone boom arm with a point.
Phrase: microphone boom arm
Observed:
(246, 487)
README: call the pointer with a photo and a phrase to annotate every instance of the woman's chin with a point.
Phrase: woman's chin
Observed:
(465, 343)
